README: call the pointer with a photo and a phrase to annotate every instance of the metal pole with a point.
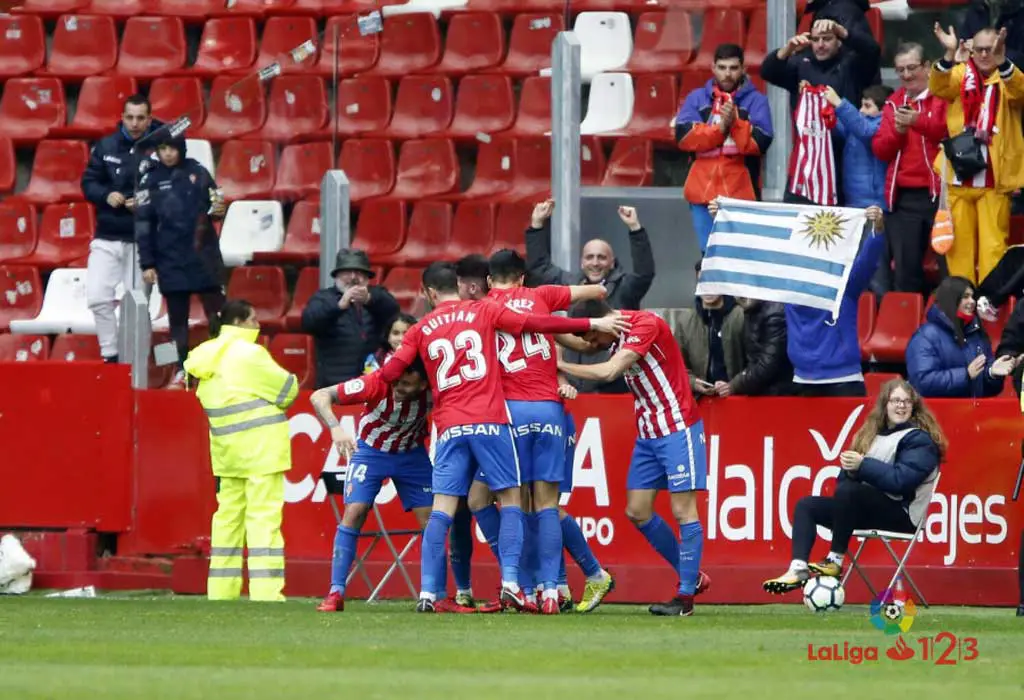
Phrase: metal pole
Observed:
(565, 150)
(335, 231)
(781, 26)
(134, 336)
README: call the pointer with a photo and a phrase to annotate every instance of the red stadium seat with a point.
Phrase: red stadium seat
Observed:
(246, 170)
(99, 107)
(8, 166)
(663, 43)
(475, 41)
(173, 98)
(307, 284)
(50, 9)
(30, 108)
(152, 46)
(254, 8)
(409, 44)
(358, 53)
(631, 164)
(82, 46)
(534, 117)
(369, 165)
(301, 240)
(74, 347)
(297, 108)
(510, 229)
(426, 167)
(423, 107)
(281, 36)
(532, 174)
(329, 8)
(494, 173)
(301, 169)
(24, 348)
(592, 161)
(472, 229)
(866, 309)
(529, 45)
(485, 104)
(57, 172)
(294, 352)
(429, 235)
(119, 9)
(899, 315)
(720, 27)
(873, 381)
(363, 106)
(64, 235)
(23, 49)
(227, 44)
(264, 287)
(655, 101)
(17, 229)
(757, 39)
(405, 284)
(380, 230)
(188, 10)
(21, 294)
(236, 108)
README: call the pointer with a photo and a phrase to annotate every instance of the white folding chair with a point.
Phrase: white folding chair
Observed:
(334, 483)
(251, 226)
(610, 105)
(887, 538)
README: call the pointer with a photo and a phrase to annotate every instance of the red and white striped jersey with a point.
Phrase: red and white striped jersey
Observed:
(662, 398)
(813, 165)
(386, 424)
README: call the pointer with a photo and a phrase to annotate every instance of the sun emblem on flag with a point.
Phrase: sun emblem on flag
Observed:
(824, 229)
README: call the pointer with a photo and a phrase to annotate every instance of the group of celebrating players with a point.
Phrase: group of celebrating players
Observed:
(488, 354)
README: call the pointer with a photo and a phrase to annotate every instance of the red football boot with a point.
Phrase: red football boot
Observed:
(703, 583)
(447, 605)
(549, 606)
(334, 602)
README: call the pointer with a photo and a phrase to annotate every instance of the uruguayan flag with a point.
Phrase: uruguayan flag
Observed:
(788, 253)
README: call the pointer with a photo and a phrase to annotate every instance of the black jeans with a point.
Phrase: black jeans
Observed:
(855, 506)
(177, 316)
(838, 389)
(908, 232)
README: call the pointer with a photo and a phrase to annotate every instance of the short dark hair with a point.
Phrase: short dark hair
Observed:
(417, 367)
(138, 99)
(507, 265)
(473, 266)
(592, 308)
(234, 311)
(877, 94)
(724, 51)
(441, 277)
(407, 319)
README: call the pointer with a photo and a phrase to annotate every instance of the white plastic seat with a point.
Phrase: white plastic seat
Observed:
(64, 307)
(606, 43)
(251, 227)
(201, 150)
(610, 106)
(434, 7)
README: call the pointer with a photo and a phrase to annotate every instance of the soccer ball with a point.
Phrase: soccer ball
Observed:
(824, 593)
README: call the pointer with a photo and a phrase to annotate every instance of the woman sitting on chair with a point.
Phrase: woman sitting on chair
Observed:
(886, 483)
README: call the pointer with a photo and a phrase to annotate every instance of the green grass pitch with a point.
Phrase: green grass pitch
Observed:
(183, 648)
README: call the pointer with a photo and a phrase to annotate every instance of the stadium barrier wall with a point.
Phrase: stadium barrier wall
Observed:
(79, 453)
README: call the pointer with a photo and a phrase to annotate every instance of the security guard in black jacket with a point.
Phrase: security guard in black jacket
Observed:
(177, 201)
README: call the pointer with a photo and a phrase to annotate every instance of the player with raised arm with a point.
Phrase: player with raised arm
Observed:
(670, 448)
(530, 381)
(457, 341)
(392, 430)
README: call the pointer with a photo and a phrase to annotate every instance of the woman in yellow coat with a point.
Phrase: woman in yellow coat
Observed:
(244, 394)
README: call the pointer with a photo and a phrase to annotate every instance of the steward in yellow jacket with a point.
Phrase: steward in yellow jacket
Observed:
(244, 394)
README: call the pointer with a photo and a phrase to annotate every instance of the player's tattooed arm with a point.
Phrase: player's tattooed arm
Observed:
(587, 292)
(323, 401)
(608, 371)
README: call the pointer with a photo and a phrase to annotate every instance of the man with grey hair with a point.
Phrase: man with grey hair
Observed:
(598, 265)
(346, 320)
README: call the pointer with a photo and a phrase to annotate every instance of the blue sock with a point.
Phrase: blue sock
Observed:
(579, 550)
(691, 544)
(510, 542)
(563, 575)
(549, 547)
(461, 546)
(661, 537)
(433, 567)
(489, 519)
(345, 542)
(528, 563)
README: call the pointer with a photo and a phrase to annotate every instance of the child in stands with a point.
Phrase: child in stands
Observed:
(392, 339)
(863, 173)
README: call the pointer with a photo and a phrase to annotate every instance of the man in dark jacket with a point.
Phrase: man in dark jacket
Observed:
(998, 14)
(710, 336)
(597, 266)
(847, 13)
(176, 201)
(109, 183)
(767, 371)
(347, 320)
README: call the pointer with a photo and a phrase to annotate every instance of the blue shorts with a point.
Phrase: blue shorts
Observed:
(410, 472)
(570, 453)
(677, 462)
(483, 450)
(539, 429)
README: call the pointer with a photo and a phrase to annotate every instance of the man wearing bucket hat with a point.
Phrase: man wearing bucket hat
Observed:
(346, 320)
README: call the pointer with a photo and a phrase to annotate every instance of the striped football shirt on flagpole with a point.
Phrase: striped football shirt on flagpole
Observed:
(814, 171)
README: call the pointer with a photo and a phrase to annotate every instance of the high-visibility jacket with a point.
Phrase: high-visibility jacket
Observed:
(244, 393)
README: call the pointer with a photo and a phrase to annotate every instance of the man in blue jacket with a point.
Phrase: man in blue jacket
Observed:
(109, 183)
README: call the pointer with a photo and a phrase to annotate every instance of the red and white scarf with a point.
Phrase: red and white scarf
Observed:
(814, 171)
(980, 101)
(718, 99)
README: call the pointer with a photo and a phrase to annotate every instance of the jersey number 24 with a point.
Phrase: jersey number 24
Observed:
(533, 344)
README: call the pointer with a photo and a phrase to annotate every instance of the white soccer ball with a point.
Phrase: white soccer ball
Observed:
(824, 593)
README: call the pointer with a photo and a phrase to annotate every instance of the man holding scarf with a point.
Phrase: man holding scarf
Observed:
(985, 91)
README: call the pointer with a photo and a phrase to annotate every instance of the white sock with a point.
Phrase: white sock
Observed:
(510, 585)
(599, 576)
(797, 565)
(564, 590)
(464, 591)
(835, 558)
(531, 598)
(551, 593)
(428, 596)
